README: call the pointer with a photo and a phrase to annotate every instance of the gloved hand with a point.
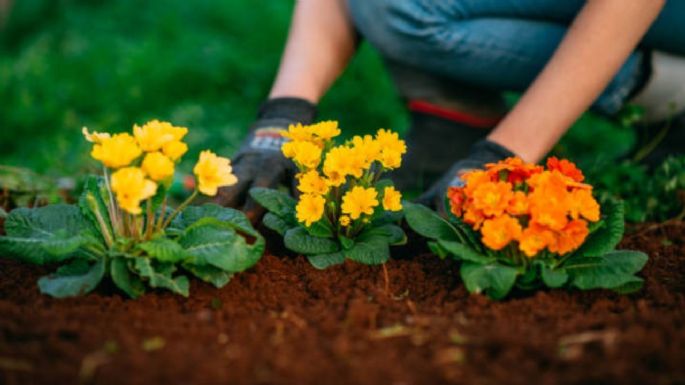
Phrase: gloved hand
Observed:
(481, 153)
(259, 161)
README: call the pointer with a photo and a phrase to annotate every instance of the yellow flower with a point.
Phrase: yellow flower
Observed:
(213, 172)
(342, 161)
(390, 159)
(392, 199)
(367, 149)
(118, 151)
(174, 150)
(305, 154)
(157, 166)
(154, 134)
(391, 141)
(359, 201)
(131, 187)
(344, 221)
(311, 182)
(298, 133)
(95, 137)
(310, 208)
(325, 130)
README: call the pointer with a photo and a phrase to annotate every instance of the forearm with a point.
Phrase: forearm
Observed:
(320, 43)
(598, 42)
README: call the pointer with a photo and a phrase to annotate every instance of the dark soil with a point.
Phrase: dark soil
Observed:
(285, 323)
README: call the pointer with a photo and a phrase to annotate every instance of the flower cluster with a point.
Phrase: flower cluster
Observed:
(528, 208)
(146, 158)
(338, 183)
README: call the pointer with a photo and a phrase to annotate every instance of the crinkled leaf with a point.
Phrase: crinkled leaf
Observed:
(277, 202)
(321, 229)
(345, 242)
(164, 250)
(462, 252)
(554, 278)
(77, 278)
(298, 240)
(493, 279)
(125, 279)
(369, 250)
(47, 234)
(160, 275)
(209, 242)
(235, 218)
(210, 274)
(323, 261)
(609, 234)
(393, 234)
(276, 223)
(609, 271)
(428, 223)
(93, 201)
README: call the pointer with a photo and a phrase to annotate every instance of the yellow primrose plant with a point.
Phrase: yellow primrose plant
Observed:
(345, 208)
(124, 228)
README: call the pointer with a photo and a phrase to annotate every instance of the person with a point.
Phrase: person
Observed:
(452, 59)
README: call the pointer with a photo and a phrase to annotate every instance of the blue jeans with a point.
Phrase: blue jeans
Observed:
(499, 44)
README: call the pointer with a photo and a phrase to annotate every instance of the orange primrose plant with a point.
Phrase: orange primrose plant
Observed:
(524, 225)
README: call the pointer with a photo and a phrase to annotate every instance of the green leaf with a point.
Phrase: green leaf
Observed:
(125, 280)
(209, 242)
(160, 275)
(437, 249)
(346, 243)
(321, 229)
(277, 202)
(382, 217)
(209, 274)
(463, 252)
(428, 223)
(164, 250)
(323, 261)
(631, 286)
(393, 234)
(234, 218)
(609, 234)
(276, 223)
(554, 278)
(93, 201)
(370, 250)
(74, 279)
(298, 240)
(609, 271)
(493, 279)
(48, 234)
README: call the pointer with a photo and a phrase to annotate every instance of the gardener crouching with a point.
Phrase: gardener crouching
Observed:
(451, 61)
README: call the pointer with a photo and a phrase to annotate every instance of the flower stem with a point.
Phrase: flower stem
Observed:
(111, 207)
(149, 221)
(160, 219)
(180, 208)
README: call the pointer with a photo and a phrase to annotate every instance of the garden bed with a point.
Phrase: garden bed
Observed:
(283, 322)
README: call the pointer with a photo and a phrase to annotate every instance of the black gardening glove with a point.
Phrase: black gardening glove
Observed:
(481, 153)
(259, 161)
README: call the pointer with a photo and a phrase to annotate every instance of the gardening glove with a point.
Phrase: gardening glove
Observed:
(259, 161)
(481, 153)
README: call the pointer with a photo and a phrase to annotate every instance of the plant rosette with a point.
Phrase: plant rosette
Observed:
(344, 209)
(524, 225)
(124, 229)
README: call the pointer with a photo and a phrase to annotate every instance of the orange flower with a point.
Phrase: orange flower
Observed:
(534, 239)
(474, 217)
(565, 167)
(456, 198)
(473, 179)
(584, 204)
(517, 171)
(518, 204)
(498, 232)
(550, 200)
(492, 197)
(570, 237)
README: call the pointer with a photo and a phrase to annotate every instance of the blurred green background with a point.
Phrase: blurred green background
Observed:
(207, 65)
